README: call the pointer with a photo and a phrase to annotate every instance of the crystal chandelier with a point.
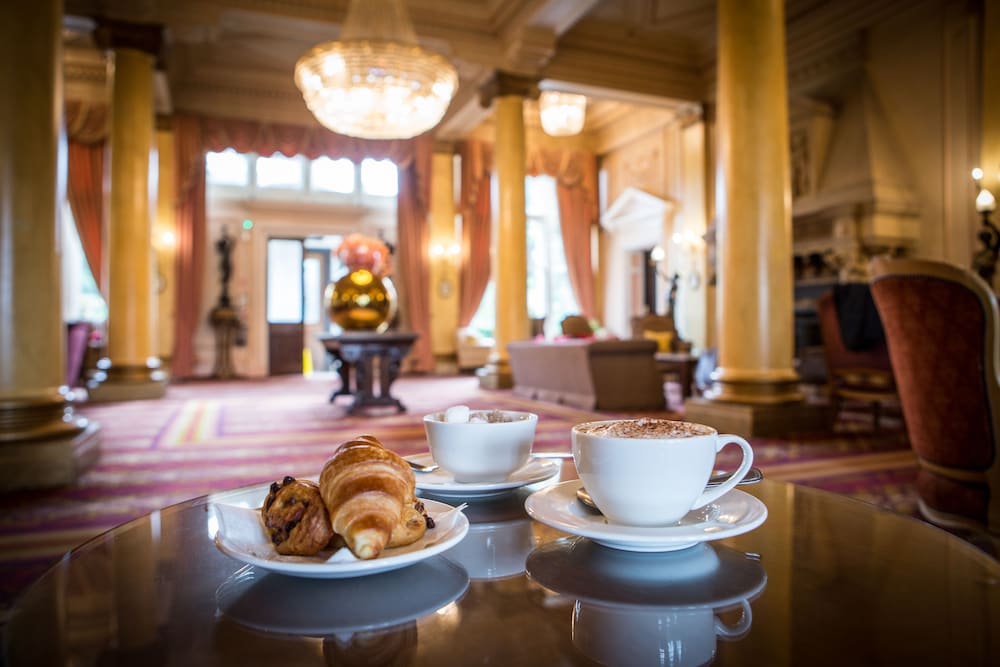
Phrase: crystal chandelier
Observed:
(376, 82)
(562, 114)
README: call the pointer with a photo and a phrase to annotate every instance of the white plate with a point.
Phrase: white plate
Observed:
(276, 604)
(442, 483)
(240, 534)
(732, 514)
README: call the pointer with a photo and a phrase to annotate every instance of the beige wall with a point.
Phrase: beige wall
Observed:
(923, 70)
(667, 161)
(248, 281)
(164, 245)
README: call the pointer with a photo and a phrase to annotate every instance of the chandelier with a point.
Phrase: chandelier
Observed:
(562, 114)
(376, 82)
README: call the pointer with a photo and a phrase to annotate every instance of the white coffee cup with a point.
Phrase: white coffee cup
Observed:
(481, 452)
(651, 472)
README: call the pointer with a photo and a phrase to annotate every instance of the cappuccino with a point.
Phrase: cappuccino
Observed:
(651, 472)
(645, 428)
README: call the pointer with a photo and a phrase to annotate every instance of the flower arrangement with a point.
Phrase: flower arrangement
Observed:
(358, 251)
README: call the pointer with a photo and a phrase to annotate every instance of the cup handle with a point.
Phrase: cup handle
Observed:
(741, 628)
(708, 495)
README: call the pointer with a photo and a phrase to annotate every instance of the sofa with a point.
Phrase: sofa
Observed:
(589, 374)
(471, 349)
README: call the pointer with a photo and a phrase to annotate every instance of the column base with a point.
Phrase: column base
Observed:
(130, 383)
(49, 462)
(495, 376)
(759, 419)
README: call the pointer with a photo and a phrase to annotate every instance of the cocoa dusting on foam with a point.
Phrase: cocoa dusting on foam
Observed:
(644, 428)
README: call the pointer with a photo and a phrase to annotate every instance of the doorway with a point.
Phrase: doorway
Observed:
(285, 305)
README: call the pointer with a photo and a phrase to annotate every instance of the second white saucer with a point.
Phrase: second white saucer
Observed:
(442, 483)
(732, 514)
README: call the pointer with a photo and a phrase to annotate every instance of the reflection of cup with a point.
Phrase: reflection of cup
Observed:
(653, 636)
(651, 472)
(649, 608)
(494, 550)
(481, 451)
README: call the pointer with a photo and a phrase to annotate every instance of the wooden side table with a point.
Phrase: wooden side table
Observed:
(358, 352)
(681, 364)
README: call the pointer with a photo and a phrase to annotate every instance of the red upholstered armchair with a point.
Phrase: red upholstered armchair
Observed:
(863, 376)
(942, 325)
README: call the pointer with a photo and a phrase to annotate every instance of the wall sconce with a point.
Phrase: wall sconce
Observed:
(690, 245)
(445, 257)
(985, 261)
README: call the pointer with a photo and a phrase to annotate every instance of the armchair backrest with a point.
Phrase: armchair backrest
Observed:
(942, 325)
(838, 356)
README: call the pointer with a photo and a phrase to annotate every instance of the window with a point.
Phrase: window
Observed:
(284, 281)
(326, 175)
(81, 300)
(312, 274)
(279, 171)
(227, 168)
(550, 293)
(379, 178)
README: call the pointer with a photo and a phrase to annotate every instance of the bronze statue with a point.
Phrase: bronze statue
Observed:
(224, 246)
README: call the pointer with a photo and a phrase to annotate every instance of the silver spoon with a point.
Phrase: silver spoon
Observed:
(418, 467)
(753, 476)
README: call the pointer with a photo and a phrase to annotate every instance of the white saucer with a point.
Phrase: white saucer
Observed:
(239, 533)
(442, 483)
(732, 514)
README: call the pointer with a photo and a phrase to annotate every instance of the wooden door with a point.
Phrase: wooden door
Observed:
(285, 306)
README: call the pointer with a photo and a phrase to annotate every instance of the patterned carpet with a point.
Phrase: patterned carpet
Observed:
(211, 436)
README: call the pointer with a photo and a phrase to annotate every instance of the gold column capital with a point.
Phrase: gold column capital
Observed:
(502, 84)
(112, 34)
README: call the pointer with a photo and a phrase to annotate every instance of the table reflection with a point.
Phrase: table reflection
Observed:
(650, 608)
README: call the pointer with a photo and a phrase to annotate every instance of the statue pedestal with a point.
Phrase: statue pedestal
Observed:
(226, 323)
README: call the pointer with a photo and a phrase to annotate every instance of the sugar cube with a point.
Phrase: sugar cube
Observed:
(457, 414)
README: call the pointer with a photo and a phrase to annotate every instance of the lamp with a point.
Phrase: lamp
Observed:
(446, 257)
(562, 114)
(376, 82)
(985, 261)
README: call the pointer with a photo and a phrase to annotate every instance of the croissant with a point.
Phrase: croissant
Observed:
(367, 490)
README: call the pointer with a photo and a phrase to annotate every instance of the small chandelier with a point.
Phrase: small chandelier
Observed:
(376, 82)
(562, 114)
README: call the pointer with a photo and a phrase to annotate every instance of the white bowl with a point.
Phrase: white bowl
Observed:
(476, 452)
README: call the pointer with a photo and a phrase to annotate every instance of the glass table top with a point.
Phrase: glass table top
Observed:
(826, 580)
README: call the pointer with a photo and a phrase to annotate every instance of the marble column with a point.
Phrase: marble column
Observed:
(134, 371)
(755, 387)
(510, 272)
(42, 442)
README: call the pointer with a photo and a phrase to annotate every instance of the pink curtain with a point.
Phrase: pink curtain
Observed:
(476, 208)
(189, 147)
(87, 131)
(197, 134)
(412, 232)
(576, 189)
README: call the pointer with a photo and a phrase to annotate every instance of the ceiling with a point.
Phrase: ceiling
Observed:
(236, 57)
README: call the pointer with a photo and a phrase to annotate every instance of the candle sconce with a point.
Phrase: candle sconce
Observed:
(984, 262)
(446, 256)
